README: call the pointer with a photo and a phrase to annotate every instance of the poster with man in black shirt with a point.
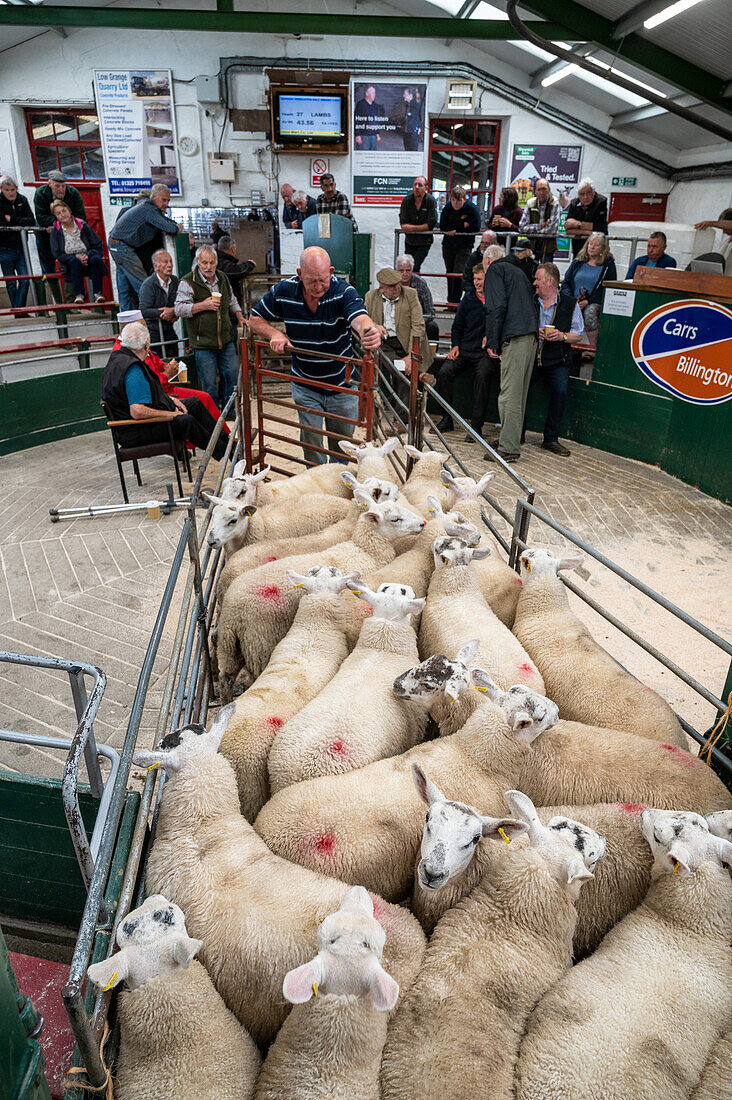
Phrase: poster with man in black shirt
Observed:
(388, 141)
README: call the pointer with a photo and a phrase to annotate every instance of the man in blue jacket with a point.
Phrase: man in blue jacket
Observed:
(656, 255)
(467, 353)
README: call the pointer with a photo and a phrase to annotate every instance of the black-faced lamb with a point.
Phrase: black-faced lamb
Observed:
(329, 1047)
(177, 1037)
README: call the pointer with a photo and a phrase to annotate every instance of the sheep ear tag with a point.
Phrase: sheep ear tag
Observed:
(315, 989)
(502, 832)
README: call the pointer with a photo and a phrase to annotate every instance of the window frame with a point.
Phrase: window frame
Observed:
(473, 149)
(56, 143)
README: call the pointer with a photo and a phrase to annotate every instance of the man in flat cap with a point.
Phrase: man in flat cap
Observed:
(396, 310)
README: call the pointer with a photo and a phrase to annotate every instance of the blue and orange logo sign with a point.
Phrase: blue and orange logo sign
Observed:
(686, 349)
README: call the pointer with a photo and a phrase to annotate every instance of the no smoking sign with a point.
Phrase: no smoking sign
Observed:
(318, 165)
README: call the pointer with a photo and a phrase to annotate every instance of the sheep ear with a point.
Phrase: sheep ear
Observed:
(412, 451)
(349, 479)
(426, 789)
(723, 849)
(503, 828)
(146, 758)
(383, 989)
(485, 482)
(415, 607)
(240, 468)
(221, 721)
(433, 506)
(247, 509)
(391, 444)
(358, 898)
(447, 479)
(481, 552)
(521, 806)
(570, 563)
(582, 874)
(347, 447)
(109, 972)
(482, 682)
(361, 590)
(301, 984)
(297, 580)
(214, 499)
(677, 861)
(361, 497)
(184, 950)
(468, 651)
(256, 478)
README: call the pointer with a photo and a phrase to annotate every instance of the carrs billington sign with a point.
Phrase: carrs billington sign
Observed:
(686, 348)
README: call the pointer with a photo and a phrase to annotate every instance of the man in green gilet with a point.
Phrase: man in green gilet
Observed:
(205, 299)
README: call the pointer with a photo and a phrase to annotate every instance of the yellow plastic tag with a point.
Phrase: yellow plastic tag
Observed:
(502, 832)
(315, 989)
(479, 688)
(445, 562)
(154, 766)
(528, 566)
(356, 591)
(299, 585)
(111, 982)
(676, 867)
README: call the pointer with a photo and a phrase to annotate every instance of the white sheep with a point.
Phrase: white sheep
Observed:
(426, 477)
(717, 1074)
(639, 1018)
(239, 486)
(326, 477)
(585, 682)
(301, 665)
(454, 600)
(444, 685)
(177, 1037)
(234, 525)
(329, 1047)
(499, 583)
(255, 913)
(490, 959)
(257, 612)
(365, 826)
(356, 718)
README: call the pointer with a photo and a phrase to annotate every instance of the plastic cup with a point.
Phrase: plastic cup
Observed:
(548, 329)
(182, 372)
(216, 295)
(153, 509)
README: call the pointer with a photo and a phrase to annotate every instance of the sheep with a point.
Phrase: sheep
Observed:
(445, 686)
(356, 718)
(301, 665)
(177, 1037)
(717, 1075)
(326, 477)
(489, 960)
(256, 613)
(425, 478)
(453, 600)
(365, 826)
(720, 823)
(329, 1047)
(239, 486)
(639, 1018)
(255, 913)
(499, 583)
(585, 682)
(235, 525)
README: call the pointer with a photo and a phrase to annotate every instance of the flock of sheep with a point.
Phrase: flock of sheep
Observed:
(442, 845)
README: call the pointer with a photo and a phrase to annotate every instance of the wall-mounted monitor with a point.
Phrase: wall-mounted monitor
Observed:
(310, 120)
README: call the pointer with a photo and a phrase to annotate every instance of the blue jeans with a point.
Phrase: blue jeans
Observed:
(13, 263)
(129, 263)
(217, 371)
(323, 402)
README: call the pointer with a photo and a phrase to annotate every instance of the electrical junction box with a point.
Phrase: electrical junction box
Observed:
(208, 89)
(222, 167)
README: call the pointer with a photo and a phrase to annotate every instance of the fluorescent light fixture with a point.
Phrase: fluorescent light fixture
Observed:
(559, 75)
(669, 13)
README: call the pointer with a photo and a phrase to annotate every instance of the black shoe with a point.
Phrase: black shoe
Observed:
(445, 424)
(471, 439)
(556, 448)
(488, 457)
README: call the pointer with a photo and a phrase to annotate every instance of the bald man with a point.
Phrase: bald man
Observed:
(319, 313)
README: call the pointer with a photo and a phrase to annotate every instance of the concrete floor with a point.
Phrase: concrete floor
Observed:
(90, 589)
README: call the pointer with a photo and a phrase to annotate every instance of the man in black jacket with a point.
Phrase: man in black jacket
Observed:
(511, 335)
(466, 353)
(157, 298)
(228, 262)
(585, 215)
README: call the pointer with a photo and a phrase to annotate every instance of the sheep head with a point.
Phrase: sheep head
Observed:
(392, 602)
(542, 563)
(682, 841)
(569, 849)
(438, 676)
(153, 943)
(527, 713)
(321, 580)
(179, 747)
(449, 552)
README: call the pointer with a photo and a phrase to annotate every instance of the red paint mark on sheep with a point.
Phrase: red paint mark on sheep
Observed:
(270, 593)
(269, 559)
(338, 748)
(274, 722)
(684, 757)
(325, 844)
(631, 807)
(526, 670)
(517, 579)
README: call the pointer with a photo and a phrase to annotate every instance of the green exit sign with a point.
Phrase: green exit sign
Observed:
(625, 181)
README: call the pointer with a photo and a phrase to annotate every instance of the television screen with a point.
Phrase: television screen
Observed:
(309, 117)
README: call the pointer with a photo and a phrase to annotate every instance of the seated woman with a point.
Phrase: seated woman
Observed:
(78, 250)
(131, 390)
(167, 370)
(583, 280)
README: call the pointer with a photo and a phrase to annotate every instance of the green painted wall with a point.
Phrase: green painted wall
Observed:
(42, 410)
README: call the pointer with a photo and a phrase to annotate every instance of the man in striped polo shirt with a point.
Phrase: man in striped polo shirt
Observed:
(319, 312)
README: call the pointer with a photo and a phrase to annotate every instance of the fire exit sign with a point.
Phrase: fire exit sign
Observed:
(625, 181)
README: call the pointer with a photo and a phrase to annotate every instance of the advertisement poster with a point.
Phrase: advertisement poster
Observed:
(137, 121)
(559, 165)
(388, 141)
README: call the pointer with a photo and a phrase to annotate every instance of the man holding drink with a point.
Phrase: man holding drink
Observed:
(560, 326)
(205, 299)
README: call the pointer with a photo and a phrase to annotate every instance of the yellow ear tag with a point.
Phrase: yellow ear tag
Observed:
(528, 566)
(298, 585)
(111, 982)
(315, 989)
(154, 766)
(356, 591)
(502, 832)
(446, 562)
(432, 511)
(479, 688)
(676, 866)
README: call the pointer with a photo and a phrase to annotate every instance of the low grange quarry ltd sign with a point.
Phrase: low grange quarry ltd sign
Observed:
(686, 348)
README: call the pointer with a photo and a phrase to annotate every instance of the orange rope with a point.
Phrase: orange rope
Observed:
(716, 731)
(108, 1086)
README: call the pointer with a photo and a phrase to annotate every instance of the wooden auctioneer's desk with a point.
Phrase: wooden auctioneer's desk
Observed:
(661, 387)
